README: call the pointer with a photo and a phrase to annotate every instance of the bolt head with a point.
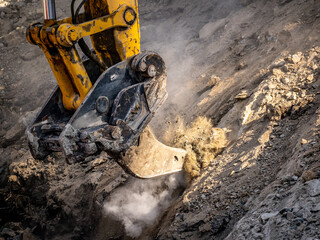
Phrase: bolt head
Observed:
(129, 16)
(142, 66)
(102, 104)
(152, 71)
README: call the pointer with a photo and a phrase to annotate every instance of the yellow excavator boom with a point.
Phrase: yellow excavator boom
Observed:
(105, 101)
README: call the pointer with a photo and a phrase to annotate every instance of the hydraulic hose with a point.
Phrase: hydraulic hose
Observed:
(82, 44)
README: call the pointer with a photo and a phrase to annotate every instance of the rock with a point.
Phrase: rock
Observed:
(2, 14)
(180, 216)
(295, 178)
(193, 220)
(258, 236)
(286, 68)
(277, 72)
(296, 89)
(290, 216)
(213, 81)
(316, 208)
(284, 211)
(14, 181)
(15, 226)
(218, 224)
(296, 58)
(304, 141)
(241, 65)
(205, 227)
(266, 216)
(277, 64)
(313, 187)
(308, 175)
(310, 77)
(29, 117)
(285, 80)
(17, 131)
(242, 95)
(271, 86)
(8, 232)
(14, 133)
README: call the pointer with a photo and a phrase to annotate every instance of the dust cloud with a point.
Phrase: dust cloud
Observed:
(141, 202)
(178, 61)
(179, 36)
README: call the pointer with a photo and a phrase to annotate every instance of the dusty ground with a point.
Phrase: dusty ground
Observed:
(250, 67)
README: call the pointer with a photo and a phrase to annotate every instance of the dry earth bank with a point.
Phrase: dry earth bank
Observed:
(251, 67)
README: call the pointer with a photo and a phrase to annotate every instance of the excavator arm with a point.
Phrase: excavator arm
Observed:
(104, 100)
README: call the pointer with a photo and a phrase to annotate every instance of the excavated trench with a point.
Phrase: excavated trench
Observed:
(136, 209)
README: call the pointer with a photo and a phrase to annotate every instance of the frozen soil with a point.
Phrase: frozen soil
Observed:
(250, 67)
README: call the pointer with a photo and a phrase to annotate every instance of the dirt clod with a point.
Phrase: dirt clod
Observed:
(203, 143)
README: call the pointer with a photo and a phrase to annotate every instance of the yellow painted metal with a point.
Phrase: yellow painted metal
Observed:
(114, 31)
(71, 59)
(37, 35)
(127, 42)
(76, 70)
(68, 34)
(118, 44)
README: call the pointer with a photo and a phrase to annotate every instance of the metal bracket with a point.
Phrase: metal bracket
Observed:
(68, 34)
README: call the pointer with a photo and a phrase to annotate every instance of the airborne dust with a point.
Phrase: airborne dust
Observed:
(139, 203)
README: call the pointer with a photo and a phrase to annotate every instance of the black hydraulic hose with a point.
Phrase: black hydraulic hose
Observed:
(82, 44)
(72, 9)
(78, 10)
